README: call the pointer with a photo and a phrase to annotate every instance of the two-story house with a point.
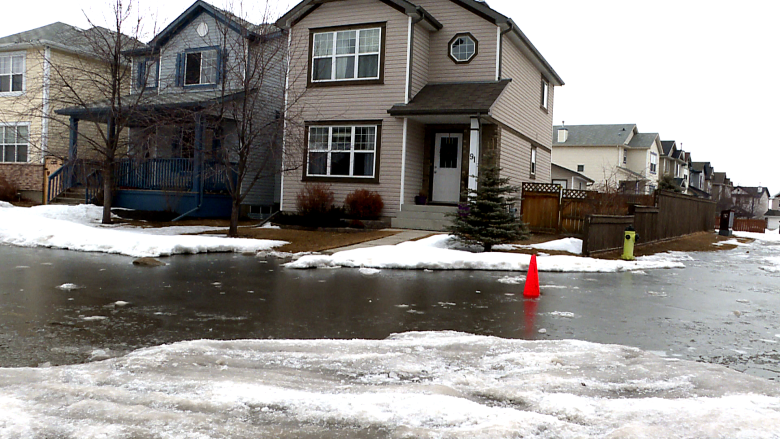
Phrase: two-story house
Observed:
(407, 98)
(721, 190)
(750, 201)
(207, 97)
(616, 157)
(32, 137)
(673, 166)
(701, 179)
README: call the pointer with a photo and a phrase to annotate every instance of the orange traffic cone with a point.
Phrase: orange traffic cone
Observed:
(532, 280)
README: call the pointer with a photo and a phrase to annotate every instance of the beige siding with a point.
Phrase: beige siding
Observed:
(600, 161)
(25, 108)
(455, 20)
(516, 160)
(421, 47)
(352, 102)
(415, 158)
(520, 104)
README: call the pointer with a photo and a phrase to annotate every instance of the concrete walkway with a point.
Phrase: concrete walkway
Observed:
(402, 236)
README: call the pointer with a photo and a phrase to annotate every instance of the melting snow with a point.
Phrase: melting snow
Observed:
(69, 286)
(421, 385)
(439, 252)
(77, 228)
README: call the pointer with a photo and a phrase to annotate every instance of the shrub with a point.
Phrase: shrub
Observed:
(314, 199)
(8, 190)
(364, 204)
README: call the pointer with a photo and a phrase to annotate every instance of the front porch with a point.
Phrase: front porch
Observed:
(173, 160)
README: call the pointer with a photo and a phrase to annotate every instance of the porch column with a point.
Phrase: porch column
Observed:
(197, 166)
(474, 141)
(74, 133)
(72, 150)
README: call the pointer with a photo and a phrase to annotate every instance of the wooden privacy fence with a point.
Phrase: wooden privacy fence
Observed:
(750, 225)
(548, 208)
(675, 215)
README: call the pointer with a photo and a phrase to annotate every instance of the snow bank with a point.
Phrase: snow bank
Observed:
(571, 245)
(437, 253)
(77, 228)
(414, 385)
(770, 236)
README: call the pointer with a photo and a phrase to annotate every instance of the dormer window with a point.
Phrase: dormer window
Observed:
(347, 55)
(463, 48)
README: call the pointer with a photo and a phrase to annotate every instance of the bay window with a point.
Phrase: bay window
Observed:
(342, 151)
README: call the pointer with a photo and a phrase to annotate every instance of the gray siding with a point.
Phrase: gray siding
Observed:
(353, 102)
(519, 105)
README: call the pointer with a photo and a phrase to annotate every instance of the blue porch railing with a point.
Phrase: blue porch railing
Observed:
(74, 173)
(173, 174)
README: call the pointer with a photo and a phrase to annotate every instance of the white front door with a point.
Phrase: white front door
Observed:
(446, 167)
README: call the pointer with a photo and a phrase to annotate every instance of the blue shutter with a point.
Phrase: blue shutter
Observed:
(222, 56)
(180, 70)
(139, 84)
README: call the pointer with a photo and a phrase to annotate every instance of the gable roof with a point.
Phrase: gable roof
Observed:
(63, 37)
(241, 26)
(305, 7)
(452, 98)
(668, 147)
(595, 135)
(718, 178)
(643, 140)
(578, 174)
(754, 191)
(479, 8)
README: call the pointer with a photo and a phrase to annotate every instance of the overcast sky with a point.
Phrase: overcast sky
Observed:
(703, 73)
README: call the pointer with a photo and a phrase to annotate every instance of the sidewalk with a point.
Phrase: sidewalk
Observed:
(402, 236)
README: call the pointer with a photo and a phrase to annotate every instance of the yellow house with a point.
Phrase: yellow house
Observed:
(33, 139)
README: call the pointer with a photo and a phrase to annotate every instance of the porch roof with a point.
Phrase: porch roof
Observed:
(452, 98)
(140, 105)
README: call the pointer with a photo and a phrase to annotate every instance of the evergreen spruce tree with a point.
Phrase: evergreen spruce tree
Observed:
(486, 219)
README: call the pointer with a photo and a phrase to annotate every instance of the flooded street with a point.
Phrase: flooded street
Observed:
(722, 308)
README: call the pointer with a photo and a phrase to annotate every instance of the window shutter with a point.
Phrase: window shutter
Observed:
(222, 56)
(180, 70)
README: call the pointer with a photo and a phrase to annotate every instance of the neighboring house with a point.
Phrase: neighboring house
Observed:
(701, 177)
(672, 164)
(721, 190)
(776, 202)
(751, 202)
(569, 179)
(29, 130)
(407, 98)
(183, 136)
(773, 219)
(616, 157)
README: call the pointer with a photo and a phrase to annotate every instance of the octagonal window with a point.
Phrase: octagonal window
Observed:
(463, 48)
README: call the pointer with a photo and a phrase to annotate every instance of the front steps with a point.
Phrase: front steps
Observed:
(425, 217)
(71, 197)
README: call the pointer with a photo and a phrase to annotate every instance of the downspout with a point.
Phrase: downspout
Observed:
(501, 34)
(408, 97)
(45, 120)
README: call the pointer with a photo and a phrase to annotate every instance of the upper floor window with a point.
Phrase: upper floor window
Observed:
(463, 48)
(347, 55)
(625, 156)
(14, 143)
(653, 162)
(342, 151)
(200, 67)
(11, 73)
(533, 161)
(545, 94)
(580, 168)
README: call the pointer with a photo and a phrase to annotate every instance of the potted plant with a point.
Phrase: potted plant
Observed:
(421, 199)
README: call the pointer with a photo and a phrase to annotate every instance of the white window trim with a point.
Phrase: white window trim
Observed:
(653, 163)
(24, 73)
(533, 161)
(351, 152)
(473, 53)
(356, 55)
(29, 134)
(200, 78)
(545, 94)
